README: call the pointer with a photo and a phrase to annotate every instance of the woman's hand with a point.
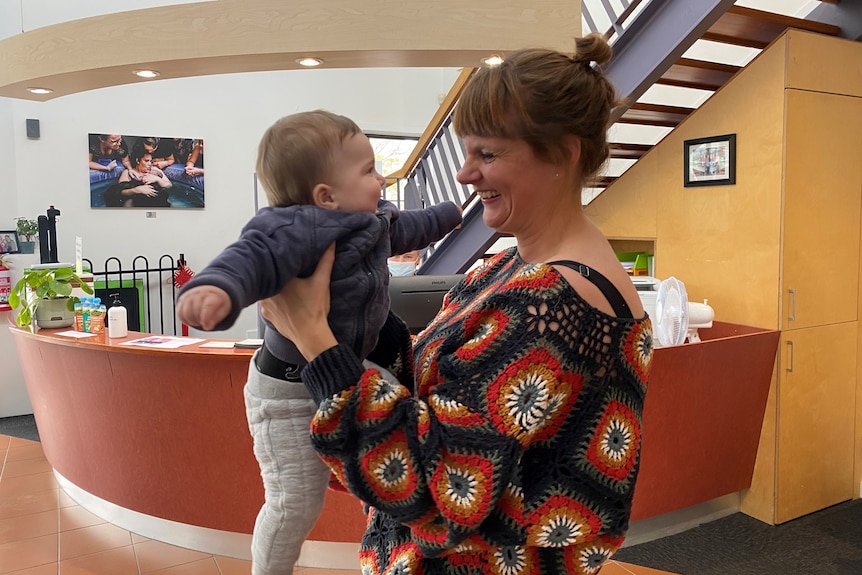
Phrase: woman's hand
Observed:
(146, 190)
(299, 311)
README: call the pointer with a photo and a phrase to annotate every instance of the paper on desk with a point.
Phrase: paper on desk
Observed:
(225, 344)
(79, 334)
(164, 342)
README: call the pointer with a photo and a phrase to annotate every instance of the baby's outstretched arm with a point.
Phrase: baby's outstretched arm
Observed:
(203, 306)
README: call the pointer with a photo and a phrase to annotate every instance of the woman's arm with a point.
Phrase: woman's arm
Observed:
(306, 311)
(193, 157)
(99, 167)
(126, 191)
(437, 466)
(162, 180)
(163, 163)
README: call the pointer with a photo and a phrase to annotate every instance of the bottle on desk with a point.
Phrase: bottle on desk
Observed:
(117, 318)
(97, 316)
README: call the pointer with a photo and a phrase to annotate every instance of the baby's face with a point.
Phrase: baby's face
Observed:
(357, 185)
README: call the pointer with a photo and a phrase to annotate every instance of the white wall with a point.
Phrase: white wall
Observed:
(230, 112)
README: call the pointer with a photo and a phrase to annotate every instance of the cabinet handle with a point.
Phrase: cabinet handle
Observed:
(792, 316)
(790, 356)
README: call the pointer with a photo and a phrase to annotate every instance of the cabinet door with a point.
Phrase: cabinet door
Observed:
(822, 189)
(816, 414)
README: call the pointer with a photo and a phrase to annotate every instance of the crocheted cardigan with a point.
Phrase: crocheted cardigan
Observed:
(514, 450)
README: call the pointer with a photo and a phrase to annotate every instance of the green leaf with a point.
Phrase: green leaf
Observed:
(63, 274)
(24, 317)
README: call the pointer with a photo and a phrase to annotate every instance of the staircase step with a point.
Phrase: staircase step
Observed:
(628, 151)
(655, 115)
(752, 28)
(698, 74)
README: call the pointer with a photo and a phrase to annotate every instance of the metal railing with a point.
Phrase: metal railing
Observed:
(147, 293)
(428, 176)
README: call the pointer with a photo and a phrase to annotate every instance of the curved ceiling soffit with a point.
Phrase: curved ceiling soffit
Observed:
(230, 36)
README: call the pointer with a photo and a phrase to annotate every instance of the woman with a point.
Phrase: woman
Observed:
(141, 186)
(189, 166)
(108, 157)
(516, 448)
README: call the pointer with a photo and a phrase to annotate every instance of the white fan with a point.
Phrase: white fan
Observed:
(699, 315)
(671, 312)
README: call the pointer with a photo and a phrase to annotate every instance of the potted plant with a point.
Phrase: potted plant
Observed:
(46, 296)
(27, 230)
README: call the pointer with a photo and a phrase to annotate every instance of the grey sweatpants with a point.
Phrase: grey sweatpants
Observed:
(294, 478)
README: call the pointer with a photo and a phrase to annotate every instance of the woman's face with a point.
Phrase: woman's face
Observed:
(145, 163)
(510, 181)
(112, 142)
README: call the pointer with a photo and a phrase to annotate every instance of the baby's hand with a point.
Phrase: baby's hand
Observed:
(203, 307)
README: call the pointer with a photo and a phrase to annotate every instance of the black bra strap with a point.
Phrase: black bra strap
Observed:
(609, 290)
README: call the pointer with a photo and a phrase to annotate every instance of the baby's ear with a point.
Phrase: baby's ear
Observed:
(321, 196)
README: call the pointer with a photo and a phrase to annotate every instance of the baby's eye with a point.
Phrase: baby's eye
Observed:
(486, 156)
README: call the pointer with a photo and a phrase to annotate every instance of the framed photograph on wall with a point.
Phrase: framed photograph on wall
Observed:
(145, 171)
(9, 242)
(710, 161)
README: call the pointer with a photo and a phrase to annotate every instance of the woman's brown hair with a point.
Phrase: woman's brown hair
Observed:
(543, 97)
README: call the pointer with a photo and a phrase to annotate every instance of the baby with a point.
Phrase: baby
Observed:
(318, 172)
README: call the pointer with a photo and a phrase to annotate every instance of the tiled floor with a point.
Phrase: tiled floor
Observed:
(44, 532)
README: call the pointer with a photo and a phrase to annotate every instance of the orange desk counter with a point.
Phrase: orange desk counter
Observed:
(159, 432)
(163, 432)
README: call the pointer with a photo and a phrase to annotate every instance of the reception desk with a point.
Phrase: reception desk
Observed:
(156, 440)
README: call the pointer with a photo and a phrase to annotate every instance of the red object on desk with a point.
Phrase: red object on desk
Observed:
(181, 277)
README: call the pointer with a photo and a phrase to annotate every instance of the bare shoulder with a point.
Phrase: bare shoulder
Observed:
(605, 263)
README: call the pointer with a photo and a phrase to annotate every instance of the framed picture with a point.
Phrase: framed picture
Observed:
(710, 161)
(147, 172)
(9, 242)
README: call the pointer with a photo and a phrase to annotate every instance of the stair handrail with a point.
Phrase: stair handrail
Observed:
(448, 104)
(433, 128)
(424, 162)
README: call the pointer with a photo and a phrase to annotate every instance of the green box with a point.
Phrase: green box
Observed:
(131, 295)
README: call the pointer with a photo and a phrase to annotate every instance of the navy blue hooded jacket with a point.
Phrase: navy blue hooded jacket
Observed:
(281, 243)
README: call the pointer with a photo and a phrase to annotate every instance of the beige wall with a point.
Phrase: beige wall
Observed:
(253, 35)
(721, 241)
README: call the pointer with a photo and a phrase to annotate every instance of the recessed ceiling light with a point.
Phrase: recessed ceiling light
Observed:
(39, 90)
(494, 60)
(145, 73)
(309, 62)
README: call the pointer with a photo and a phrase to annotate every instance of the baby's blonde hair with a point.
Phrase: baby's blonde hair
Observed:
(298, 152)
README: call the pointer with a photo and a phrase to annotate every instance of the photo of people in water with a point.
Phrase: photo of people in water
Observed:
(145, 171)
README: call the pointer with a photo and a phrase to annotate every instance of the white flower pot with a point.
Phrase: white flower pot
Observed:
(52, 313)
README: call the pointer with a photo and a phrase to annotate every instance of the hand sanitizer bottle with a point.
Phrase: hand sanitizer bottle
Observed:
(117, 318)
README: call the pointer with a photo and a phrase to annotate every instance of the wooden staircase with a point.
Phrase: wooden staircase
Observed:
(429, 174)
(739, 26)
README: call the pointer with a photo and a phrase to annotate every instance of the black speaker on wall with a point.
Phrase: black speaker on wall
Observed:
(32, 128)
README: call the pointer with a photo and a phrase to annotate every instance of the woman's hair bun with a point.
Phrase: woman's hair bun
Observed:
(592, 48)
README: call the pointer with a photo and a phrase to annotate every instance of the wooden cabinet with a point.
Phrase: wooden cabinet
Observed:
(816, 376)
(820, 243)
(816, 406)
